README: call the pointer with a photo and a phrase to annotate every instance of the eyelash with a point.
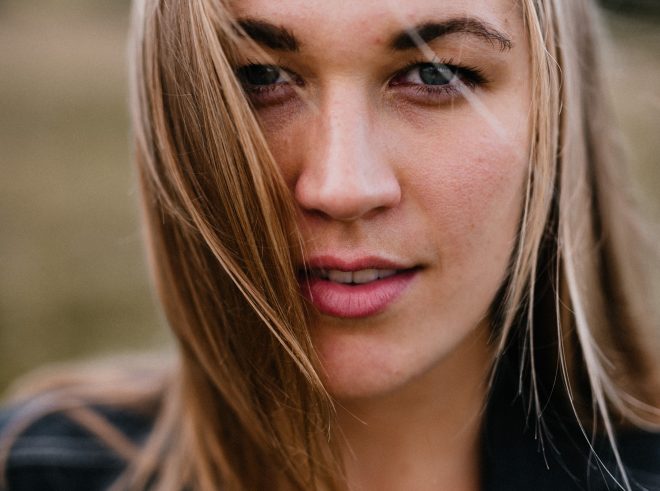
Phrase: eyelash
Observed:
(469, 77)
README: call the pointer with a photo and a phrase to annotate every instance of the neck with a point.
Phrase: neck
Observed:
(425, 435)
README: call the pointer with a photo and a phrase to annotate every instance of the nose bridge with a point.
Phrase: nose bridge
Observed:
(345, 175)
(344, 143)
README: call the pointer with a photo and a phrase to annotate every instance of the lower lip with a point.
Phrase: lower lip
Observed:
(356, 301)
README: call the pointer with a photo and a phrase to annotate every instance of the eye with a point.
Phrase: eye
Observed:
(434, 74)
(259, 74)
(436, 82)
(267, 85)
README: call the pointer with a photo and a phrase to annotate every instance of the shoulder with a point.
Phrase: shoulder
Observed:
(56, 450)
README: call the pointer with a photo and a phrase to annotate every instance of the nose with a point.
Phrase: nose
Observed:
(345, 172)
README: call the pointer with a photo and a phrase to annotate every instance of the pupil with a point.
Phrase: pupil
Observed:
(436, 74)
(259, 74)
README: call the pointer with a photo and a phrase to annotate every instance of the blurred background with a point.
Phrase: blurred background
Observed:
(73, 279)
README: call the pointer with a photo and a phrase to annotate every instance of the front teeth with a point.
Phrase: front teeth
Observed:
(365, 276)
(357, 277)
(340, 276)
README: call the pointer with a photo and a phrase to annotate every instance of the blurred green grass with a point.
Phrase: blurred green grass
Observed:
(73, 280)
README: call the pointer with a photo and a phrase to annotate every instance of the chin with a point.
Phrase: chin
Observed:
(381, 359)
(362, 363)
(355, 363)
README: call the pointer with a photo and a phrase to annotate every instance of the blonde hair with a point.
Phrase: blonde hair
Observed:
(243, 407)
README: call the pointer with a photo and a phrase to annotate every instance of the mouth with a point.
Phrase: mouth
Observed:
(359, 277)
(356, 289)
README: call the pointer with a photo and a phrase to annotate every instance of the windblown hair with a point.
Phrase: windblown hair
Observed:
(243, 406)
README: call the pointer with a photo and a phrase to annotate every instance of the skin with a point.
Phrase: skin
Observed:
(377, 167)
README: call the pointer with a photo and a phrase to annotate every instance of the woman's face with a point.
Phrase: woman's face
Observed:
(402, 129)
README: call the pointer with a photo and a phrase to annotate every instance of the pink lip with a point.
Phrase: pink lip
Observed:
(355, 301)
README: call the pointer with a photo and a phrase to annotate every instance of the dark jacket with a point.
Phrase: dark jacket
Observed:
(57, 454)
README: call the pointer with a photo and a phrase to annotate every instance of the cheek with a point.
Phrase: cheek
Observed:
(466, 182)
(287, 132)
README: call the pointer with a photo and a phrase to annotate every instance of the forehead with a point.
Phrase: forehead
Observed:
(321, 23)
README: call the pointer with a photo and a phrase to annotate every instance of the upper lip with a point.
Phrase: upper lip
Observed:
(330, 262)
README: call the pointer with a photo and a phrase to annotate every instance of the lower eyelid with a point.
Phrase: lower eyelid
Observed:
(432, 92)
(269, 95)
(431, 95)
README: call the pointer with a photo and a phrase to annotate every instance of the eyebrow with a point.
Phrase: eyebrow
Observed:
(270, 35)
(429, 31)
(282, 39)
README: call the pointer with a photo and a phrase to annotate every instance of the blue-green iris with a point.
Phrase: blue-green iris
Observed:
(436, 74)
